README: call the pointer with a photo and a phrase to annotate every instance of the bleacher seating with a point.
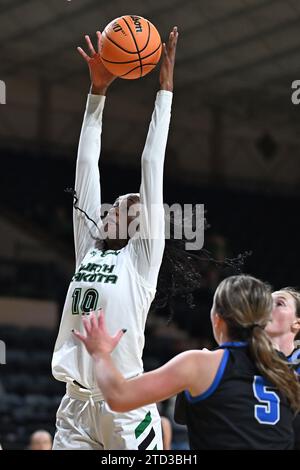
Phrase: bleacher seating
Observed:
(264, 223)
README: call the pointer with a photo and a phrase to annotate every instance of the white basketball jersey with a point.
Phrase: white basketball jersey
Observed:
(122, 282)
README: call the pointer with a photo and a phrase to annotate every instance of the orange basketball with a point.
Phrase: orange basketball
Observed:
(130, 47)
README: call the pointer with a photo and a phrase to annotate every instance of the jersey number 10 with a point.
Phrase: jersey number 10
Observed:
(84, 303)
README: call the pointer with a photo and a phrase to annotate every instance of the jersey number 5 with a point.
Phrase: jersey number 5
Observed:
(269, 410)
(85, 304)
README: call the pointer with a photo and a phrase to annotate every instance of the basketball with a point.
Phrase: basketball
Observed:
(130, 47)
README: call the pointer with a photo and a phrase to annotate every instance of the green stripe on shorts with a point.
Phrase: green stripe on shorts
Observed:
(143, 424)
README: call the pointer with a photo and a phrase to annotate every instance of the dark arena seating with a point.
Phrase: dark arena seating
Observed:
(29, 395)
(39, 206)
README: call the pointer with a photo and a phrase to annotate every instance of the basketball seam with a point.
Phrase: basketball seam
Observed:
(147, 37)
(123, 48)
(137, 49)
(131, 61)
(131, 70)
(118, 45)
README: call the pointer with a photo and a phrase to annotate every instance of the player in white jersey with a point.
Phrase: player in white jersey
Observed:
(119, 275)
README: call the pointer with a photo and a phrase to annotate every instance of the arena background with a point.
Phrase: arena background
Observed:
(233, 145)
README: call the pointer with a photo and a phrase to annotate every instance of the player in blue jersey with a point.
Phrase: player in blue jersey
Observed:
(241, 396)
(284, 330)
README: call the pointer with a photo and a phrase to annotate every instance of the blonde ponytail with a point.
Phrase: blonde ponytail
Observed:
(274, 368)
(245, 304)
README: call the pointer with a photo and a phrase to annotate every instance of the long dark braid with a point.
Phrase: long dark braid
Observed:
(181, 271)
(75, 200)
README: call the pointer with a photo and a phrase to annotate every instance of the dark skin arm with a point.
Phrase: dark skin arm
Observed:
(101, 78)
(168, 61)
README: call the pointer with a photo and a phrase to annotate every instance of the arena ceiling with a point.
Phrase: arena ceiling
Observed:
(227, 44)
(238, 55)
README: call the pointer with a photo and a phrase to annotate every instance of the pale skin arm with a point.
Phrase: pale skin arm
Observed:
(180, 373)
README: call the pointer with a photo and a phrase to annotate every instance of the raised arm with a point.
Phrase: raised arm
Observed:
(149, 247)
(87, 181)
(191, 370)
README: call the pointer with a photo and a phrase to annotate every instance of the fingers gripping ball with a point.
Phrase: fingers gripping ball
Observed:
(130, 47)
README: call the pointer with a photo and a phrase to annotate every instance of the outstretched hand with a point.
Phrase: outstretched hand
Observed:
(101, 78)
(168, 61)
(97, 339)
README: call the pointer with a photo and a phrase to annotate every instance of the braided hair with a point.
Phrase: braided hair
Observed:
(181, 272)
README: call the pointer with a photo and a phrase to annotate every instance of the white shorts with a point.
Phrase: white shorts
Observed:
(89, 424)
